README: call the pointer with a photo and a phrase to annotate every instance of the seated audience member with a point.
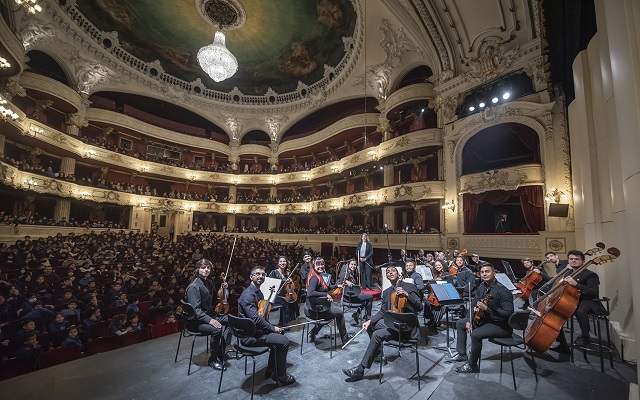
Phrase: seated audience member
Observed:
(169, 317)
(72, 309)
(95, 316)
(28, 328)
(117, 326)
(134, 324)
(72, 338)
(132, 307)
(30, 347)
(59, 324)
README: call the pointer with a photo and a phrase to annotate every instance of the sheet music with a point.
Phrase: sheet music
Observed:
(425, 271)
(268, 282)
(506, 282)
(409, 280)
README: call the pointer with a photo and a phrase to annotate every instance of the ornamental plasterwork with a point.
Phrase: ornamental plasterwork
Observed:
(34, 31)
(10, 87)
(502, 242)
(503, 179)
(535, 69)
(447, 105)
(490, 61)
(434, 34)
(234, 124)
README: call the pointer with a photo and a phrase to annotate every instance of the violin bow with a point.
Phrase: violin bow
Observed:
(354, 336)
(288, 276)
(224, 280)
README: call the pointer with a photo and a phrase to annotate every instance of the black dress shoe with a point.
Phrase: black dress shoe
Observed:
(582, 341)
(354, 373)
(563, 349)
(356, 317)
(284, 379)
(457, 358)
(467, 369)
(346, 338)
(312, 335)
(217, 365)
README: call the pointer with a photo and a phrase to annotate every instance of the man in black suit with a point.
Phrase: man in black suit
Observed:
(267, 334)
(551, 256)
(494, 321)
(364, 250)
(201, 294)
(588, 284)
(305, 267)
(376, 328)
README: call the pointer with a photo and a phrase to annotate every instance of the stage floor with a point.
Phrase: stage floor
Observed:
(147, 371)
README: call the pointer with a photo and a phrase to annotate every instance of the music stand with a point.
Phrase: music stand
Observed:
(509, 271)
(447, 295)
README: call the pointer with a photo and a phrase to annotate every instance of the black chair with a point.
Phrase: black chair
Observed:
(402, 324)
(315, 307)
(518, 321)
(189, 313)
(245, 328)
(350, 298)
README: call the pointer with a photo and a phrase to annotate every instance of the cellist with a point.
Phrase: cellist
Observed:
(494, 322)
(376, 328)
(528, 264)
(287, 310)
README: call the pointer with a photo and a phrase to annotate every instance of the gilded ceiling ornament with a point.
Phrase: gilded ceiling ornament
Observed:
(491, 61)
(446, 104)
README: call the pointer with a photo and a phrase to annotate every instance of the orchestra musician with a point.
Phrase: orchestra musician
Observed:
(317, 287)
(464, 277)
(376, 328)
(588, 284)
(410, 272)
(439, 273)
(267, 335)
(528, 264)
(201, 294)
(475, 263)
(434, 313)
(552, 257)
(494, 320)
(349, 277)
(364, 250)
(287, 310)
(403, 255)
(306, 266)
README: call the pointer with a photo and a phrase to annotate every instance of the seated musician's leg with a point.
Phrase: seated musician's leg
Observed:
(582, 315)
(378, 334)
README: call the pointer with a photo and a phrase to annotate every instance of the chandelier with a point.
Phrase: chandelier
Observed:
(216, 60)
(31, 6)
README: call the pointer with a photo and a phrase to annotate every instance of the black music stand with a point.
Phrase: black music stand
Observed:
(447, 295)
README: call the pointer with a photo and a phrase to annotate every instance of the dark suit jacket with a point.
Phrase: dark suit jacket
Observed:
(368, 254)
(589, 287)
(202, 299)
(248, 308)
(562, 264)
(414, 304)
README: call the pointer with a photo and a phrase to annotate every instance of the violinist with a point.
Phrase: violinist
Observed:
(317, 287)
(475, 263)
(376, 328)
(433, 312)
(267, 334)
(350, 277)
(287, 310)
(201, 294)
(528, 264)
(493, 305)
(439, 273)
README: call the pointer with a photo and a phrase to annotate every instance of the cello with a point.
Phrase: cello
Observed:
(554, 308)
(526, 284)
(453, 268)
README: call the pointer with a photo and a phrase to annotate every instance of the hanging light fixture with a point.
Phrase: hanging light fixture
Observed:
(31, 6)
(216, 60)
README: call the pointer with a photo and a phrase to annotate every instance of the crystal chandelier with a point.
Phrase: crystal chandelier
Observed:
(31, 6)
(216, 60)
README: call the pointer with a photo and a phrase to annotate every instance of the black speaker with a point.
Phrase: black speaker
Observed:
(558, 210)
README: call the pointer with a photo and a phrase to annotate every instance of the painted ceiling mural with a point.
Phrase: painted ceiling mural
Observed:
(281, 42)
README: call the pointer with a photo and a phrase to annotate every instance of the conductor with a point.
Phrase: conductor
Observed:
(364, 250)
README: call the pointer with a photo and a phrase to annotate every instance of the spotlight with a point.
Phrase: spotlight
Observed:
(472, 108)
(381, 167)
(494, 100)
(506, 95)
(481, 105)
(422, 110)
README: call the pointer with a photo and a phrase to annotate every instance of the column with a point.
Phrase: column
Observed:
(2, 139)
(140, 218)
(62, 210)
(231, 221)
(387, 176)
(68, 165)
(232, 193)
(272, 222)
(388, 217)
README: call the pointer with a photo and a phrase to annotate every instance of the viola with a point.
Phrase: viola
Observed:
(264, 306)
(479, 312)
(398, 302)
(223, 301)
(290, 293)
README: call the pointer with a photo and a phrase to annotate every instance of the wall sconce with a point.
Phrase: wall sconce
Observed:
(4, 64)
(451, 206)
(274, 181)
(31, 6)
(34, 130)
(30, 183)
(272, 210)
(371, 152)
(555, 195)
(234, 181)
(84, 195)
(305, 177)
(142, 203)
(193, 177)
(89, 153)
(335, 168)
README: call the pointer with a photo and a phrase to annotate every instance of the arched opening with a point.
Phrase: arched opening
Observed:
(43, 64)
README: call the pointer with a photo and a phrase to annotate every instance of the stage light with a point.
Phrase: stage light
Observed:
(481, 105)
(472, 108)
(506, 95)
(494, 100)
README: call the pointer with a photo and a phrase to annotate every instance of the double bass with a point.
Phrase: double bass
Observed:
(555, 307)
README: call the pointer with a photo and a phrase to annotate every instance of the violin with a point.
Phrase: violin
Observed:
(479, 312)
(264, 306)
(290, 291)
(223, 294)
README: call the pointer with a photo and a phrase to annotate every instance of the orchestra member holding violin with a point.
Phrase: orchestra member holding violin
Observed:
(439, 273)
(492, 306)
(267, 334)
(532, 269)
(349, 277)
(432, 310)
(287, 310)
(364, 250)
(392, 297)
(201, 294)
(317, 287)
(588, 284)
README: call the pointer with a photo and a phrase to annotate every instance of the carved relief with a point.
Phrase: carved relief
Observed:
(490, 62)
(446, 104)
(493, 180)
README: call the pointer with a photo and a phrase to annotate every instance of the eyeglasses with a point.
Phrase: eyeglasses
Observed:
(575, 259)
